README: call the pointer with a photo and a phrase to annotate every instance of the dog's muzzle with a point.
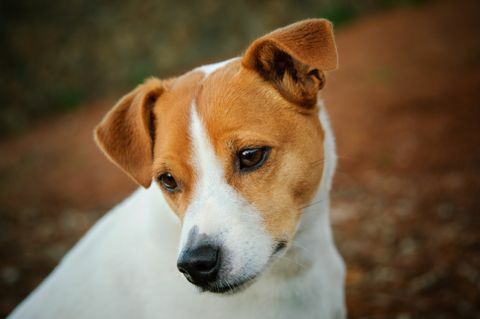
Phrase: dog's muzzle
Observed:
(206, 262)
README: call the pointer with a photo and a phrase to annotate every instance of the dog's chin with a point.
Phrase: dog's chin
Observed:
(229, 287)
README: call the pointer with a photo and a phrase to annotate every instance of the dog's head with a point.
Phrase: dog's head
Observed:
(237, 149)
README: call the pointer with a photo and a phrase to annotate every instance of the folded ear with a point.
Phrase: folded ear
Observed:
(126, 133)
(293, 59)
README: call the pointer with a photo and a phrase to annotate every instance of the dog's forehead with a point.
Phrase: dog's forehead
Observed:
(221, 95)
(174, 107)
(173, 114)
(228, 99)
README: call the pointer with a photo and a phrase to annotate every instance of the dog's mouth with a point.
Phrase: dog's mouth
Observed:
(232, 287)
(228, 288)
(279, 247)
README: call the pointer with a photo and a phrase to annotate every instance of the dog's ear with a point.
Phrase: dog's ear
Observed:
(294, 59)
(126, 133)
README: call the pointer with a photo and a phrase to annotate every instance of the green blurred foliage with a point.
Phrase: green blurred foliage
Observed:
(58, 54)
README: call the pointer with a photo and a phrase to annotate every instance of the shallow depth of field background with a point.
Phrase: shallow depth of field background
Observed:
(405, 108)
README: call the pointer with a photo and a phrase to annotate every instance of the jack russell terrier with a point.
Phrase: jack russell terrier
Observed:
(236, 224)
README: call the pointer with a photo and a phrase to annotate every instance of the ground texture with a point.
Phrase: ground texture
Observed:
(406, 200)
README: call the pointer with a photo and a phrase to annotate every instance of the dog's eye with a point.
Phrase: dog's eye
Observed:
(252, 158)
(168, 182)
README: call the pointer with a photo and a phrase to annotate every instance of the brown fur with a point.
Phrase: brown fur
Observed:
(240, 107)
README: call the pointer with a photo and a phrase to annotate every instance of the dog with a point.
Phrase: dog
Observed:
(236, 161)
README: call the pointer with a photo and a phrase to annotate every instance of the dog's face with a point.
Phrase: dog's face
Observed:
(236, 149)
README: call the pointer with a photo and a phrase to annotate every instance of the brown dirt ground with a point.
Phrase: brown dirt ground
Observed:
(405, 109)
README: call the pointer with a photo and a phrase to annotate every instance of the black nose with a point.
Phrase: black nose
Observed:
(200, 264)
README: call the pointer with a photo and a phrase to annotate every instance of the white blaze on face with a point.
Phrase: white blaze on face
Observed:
(220, 212)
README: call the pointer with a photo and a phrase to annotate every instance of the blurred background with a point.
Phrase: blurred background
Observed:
(404, 106)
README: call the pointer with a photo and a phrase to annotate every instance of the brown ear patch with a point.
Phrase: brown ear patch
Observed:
(293, 59)
(126, 134)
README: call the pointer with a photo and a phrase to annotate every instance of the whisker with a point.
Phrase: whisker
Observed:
(313, 204)
(294, 262)
(296, 245)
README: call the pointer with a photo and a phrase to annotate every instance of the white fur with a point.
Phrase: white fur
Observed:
(125, 266)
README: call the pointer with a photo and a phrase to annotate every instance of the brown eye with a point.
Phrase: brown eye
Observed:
(252, 158)
(168, 182)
